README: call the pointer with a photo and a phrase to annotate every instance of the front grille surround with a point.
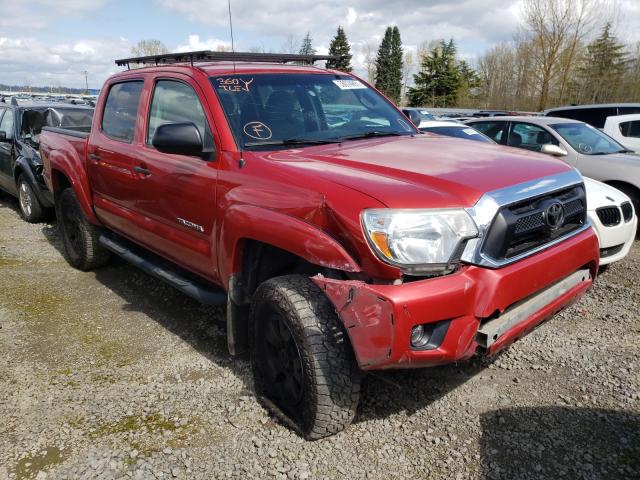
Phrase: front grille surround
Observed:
(521, 227)
(627, 211)
(609, 216)
(486, 210)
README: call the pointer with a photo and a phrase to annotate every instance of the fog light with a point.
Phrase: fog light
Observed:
(419, 338)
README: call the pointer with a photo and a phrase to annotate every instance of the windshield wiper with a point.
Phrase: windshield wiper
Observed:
(290, 141)
(374, 133)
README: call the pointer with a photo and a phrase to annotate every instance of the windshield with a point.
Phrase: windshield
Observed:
(264, 110)
(588, 140)
(467, 133)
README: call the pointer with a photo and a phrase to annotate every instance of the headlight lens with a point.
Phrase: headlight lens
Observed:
(424, 240)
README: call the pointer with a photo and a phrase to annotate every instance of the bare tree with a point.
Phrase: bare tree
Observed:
(555, 27)
(408, 67)
(149, 47)
(369, 53)
(290, 45)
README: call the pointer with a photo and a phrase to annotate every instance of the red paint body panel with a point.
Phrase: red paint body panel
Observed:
(308, 201)
(66, 155)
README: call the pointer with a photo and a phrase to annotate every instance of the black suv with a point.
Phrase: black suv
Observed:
(20, 164)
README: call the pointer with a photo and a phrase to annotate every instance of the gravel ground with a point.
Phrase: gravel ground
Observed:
(111, 374)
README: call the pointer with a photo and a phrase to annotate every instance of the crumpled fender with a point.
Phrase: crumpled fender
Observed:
(279, 230)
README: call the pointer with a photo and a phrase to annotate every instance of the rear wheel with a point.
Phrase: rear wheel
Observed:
(80, 238)
(301, 357)
(30, 207)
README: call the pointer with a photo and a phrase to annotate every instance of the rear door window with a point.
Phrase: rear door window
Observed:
(121, 110)
(593, 116)
(530, 137)
(630, 129)
(496, 131)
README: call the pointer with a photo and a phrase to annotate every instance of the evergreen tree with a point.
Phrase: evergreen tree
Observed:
(602, 68)
(307, 48)
(340, 46)
(441, 78)
(395, 74)
(383, 63)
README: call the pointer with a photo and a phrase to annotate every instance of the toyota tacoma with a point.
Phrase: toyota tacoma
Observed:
(341, 239)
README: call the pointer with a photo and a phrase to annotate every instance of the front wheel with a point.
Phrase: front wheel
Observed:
(301, 356)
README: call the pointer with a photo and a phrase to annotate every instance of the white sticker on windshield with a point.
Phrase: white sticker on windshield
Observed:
(349, 84)
(470, 131)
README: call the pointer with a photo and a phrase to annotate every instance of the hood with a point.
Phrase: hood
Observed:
(421, 171)
(602, 195)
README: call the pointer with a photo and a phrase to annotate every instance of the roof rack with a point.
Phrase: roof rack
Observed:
(210, 56)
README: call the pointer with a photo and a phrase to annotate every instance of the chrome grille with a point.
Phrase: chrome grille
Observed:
(523, 226)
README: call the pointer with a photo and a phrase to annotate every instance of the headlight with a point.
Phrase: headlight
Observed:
(418, 241)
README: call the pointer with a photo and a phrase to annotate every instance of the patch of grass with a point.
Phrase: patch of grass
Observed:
(10, 262)
(29, 466)
(154, 423)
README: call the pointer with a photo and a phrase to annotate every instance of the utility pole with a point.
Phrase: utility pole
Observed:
(86, 82)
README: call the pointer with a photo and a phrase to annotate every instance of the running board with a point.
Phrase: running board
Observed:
(154, 265)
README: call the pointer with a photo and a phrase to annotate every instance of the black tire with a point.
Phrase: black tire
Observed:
(635, 200)
(302, 360)
(80, 237)
(30, 208)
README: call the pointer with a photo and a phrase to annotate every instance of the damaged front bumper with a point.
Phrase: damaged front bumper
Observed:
(475, 310)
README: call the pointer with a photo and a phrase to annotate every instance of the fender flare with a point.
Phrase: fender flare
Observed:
(74, 170)
(280, 230)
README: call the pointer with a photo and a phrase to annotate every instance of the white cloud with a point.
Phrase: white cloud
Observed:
(28, 60)
(195, 44)
(352, 16)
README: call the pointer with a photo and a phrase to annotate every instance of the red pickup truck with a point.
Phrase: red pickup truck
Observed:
(341, 238)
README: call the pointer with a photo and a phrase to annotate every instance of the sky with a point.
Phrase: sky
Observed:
(53, 42)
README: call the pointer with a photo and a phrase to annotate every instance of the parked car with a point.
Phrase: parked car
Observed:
(453, 129)
(595, 115)
(613, 218)
(592, 152)
(609, 210)
(20, 164)
(491, 113)
(338, 248)
(625, 129)
(417, 115)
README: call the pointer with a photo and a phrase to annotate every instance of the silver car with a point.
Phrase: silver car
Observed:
(591, 151)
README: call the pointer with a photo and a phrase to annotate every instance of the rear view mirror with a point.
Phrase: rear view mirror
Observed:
(3, 137)
(178, 138)
(415, 117)
(554, 150)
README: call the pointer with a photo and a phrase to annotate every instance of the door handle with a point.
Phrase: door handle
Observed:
(142, 171)
(94, 157)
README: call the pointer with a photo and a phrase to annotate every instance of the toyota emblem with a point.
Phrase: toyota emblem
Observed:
(554, 215)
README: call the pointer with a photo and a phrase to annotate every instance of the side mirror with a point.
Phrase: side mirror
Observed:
(178, 138)
(3, 137)
(415, 117)
(554, 150)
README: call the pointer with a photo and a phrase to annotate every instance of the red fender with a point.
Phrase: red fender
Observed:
(279, 230)
(66, 157)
